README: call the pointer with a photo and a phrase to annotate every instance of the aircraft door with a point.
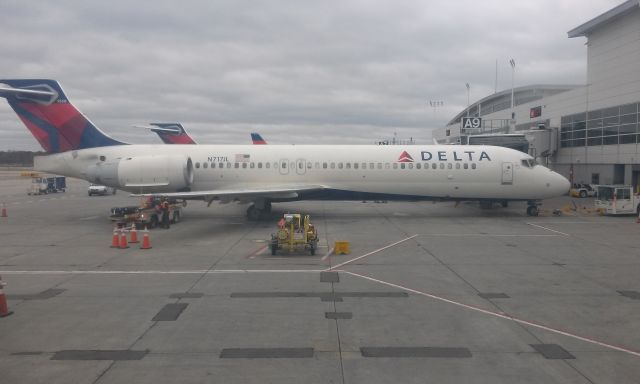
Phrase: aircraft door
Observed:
(507, 173)
(301, 166)
(283, 166)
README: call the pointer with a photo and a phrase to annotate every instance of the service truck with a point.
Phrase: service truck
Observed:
(148, 214)
(617, 200)
(43, 185)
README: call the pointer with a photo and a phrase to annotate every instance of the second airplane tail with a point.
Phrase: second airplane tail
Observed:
(172, 133)
(57, 125)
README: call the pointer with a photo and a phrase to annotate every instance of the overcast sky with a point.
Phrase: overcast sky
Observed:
(295, 71)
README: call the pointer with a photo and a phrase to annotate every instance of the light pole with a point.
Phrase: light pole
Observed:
(435, 104)
(513, 73)
(468, 104)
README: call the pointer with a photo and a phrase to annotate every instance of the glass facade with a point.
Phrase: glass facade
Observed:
(608, 126)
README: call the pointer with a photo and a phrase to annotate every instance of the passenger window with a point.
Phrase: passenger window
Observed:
(284, 164)
(355, 165)
(213, 165)
(449, 166)
(371, 166)
(252, 165)
(244, 165)
(364, 165)
(236, 165)
(441, 165)
(411, 165)
(348, 165)
(418, 166)
(473, 165)
(339, 165)
(402, 165)
(228, 165)
(259, 165)
(324, 165)
(395, 165)
(197, 165)
(434, 165)
(379, 165)
(457, 165)
(220, 165)
(333, 165)
(386, 166)
(466, 165)
(267, 165)
(317, 165)
(205, 165)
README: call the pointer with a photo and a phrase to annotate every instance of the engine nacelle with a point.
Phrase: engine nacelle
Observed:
(145, 174)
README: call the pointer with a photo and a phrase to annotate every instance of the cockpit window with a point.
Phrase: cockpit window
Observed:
(529, 163)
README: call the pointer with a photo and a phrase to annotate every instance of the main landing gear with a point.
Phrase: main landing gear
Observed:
(259, 210)
(532, 208)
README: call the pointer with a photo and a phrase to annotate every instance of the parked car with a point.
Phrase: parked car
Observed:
(95, 189)
(583, 190)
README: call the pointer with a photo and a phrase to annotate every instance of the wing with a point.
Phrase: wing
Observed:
(288, 191)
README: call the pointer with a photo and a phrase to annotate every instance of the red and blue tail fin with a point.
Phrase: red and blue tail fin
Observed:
(52, 119)
(172, 133)
(257, 139)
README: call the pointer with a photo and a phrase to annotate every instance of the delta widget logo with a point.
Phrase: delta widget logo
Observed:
(405, 157)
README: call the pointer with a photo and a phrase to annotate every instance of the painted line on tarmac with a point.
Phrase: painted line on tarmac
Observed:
(325, 257)
(549, 229)
(371, 253)
(482, 235)
(89, 218)
(153, 272)
(501, 315)
(257, 252)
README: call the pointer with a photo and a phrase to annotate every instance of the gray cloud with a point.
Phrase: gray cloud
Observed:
(296, 71)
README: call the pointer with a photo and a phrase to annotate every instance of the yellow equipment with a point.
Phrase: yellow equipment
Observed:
(295, 231)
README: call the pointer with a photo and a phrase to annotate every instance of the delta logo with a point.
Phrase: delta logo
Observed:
(405, 158)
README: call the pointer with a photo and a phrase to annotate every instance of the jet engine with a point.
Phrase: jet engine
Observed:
(145, 174)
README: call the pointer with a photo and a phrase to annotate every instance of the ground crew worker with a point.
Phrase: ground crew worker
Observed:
(165, 213)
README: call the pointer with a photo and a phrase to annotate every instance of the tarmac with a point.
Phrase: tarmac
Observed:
(430, 293)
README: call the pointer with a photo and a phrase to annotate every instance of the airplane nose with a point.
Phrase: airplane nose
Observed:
(560, 184)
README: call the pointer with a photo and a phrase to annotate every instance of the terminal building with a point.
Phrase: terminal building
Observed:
(589, 133)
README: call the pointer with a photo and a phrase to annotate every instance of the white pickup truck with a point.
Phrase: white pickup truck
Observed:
(618, 200)
(95, 189)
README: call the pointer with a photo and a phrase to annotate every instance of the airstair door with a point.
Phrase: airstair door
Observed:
(283, 166)
(507, 173)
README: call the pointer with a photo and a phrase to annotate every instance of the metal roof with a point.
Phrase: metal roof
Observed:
(589, 26)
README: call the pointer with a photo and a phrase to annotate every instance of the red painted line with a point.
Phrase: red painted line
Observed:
(257, 252)
(371, 253)
(328, 254)
(502, 315)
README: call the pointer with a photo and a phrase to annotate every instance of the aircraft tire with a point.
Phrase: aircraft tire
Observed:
(532, 210)
(253, 213)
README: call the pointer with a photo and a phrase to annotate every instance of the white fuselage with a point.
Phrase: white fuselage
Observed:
(417, 171)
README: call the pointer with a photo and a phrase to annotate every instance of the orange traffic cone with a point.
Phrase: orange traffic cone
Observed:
(4, 210)
(4, 310)
(133, 238)
(115, 242)
(146, 244)
(123, 239)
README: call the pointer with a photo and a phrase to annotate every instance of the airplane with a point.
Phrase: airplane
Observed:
(266, 174)
(175, 133)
